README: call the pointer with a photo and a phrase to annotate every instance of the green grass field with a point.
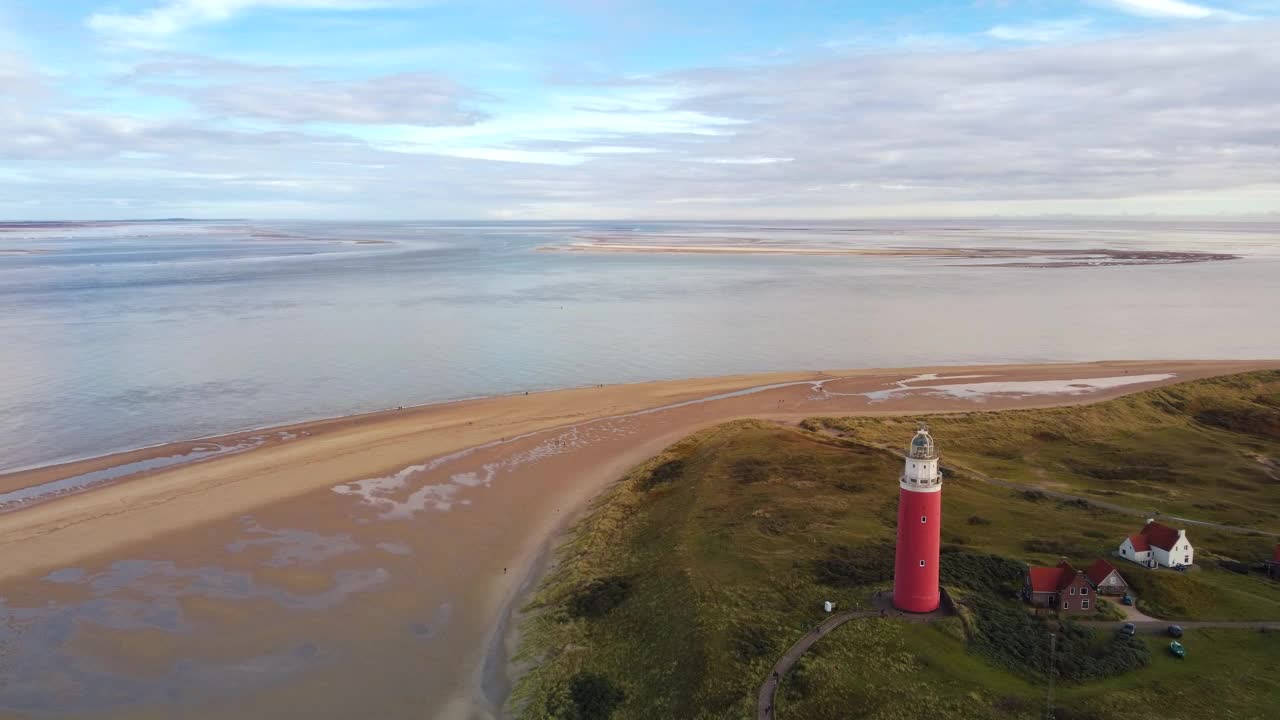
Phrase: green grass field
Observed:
(675, 595)
(1208, 450)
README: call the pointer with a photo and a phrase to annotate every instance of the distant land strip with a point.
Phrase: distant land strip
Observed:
(1027, 257)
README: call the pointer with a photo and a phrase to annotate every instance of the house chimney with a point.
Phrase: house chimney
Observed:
(1150, 520)
(1182, 533)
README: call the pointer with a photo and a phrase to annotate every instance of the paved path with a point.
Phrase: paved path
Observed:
(882, 606)
(1131, 612)
(1160, 626)
(764, 702)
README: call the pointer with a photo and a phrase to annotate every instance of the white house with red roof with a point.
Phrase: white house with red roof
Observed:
(1158, 545)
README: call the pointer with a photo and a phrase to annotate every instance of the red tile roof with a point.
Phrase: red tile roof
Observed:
(1139, 543)
(1161, 536)
(1044, 579)
(1099, 571)
(1052, 579)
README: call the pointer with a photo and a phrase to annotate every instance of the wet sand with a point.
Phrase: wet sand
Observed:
(363, 566)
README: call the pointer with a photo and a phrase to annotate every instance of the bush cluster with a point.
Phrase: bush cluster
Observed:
(662, 474)
(750, 642)
(1260, 421)
(593, 696)
(599, 596)
(980, 571)
(845, 566)
(1010, 638)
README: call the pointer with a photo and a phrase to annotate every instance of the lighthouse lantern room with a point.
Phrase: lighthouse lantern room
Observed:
(915, 577)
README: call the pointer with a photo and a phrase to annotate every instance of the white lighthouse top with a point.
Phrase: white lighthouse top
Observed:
(922, 445)
(920, 469)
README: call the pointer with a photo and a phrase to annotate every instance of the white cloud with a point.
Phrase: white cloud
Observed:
(1041, 31)
(496, 154)
(1172, 9)
(177, 15)
(616, 150)
(756, 160)
(1143, 122)
(298, 96)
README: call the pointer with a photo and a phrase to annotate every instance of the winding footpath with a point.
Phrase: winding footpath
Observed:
(764, 701)
(882, 606)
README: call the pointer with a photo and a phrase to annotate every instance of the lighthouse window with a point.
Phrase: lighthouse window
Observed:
(923, 519)
(921, 563)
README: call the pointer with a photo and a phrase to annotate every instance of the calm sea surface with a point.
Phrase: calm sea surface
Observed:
(122, 336)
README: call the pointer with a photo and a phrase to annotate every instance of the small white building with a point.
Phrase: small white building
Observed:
(1158, 545)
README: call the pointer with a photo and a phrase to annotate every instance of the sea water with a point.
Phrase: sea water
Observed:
(125, 335)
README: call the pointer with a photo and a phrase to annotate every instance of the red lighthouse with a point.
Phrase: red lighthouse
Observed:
(915, 576)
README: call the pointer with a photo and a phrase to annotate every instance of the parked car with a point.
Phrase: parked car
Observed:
(1127, 600)
(1176, 648)
(1128, 629)
(1175, 631)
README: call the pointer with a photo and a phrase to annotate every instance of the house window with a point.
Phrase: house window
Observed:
(1084, 591)
(1073, 591)
(923, 519)
(1066, 604)
(921, 563)
(1084, 604)
(1124, 551)
(1186, 559)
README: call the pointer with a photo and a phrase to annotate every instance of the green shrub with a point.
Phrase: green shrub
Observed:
(594, 696)
(1009, 637)
(750, 642)
(663, 473)
(1233, 566)
(980, 571)
(1249, 420)
(599, 596)
(844, 566)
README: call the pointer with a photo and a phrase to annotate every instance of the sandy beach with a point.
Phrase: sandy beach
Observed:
(363, 565)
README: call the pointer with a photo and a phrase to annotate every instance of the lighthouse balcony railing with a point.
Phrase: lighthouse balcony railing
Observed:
(923, 482)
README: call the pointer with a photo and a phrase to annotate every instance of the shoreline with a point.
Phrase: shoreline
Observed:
(34, 475)
(472, 498)
(23, 477)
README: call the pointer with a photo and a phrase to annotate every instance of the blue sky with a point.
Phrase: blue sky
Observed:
(619, 109)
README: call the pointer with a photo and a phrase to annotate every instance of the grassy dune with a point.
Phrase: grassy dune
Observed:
(1208, 449)
(675, 595)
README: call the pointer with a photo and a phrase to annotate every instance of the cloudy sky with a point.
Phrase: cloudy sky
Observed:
(647, 109)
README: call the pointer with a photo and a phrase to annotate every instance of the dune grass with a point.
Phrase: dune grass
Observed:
(675, 595)
(1208, 449)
